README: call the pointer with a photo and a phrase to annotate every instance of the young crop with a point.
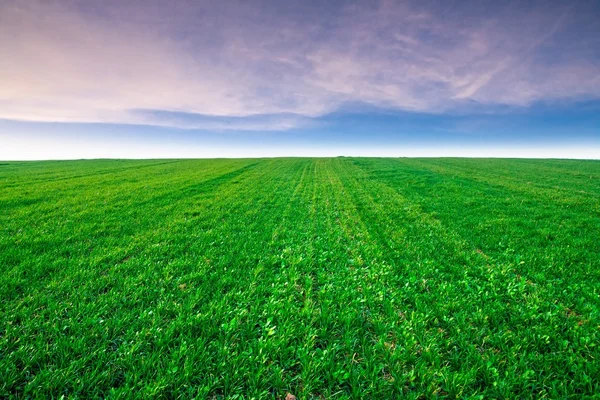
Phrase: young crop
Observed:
(307, 278)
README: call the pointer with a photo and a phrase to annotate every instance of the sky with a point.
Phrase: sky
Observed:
(256, 78)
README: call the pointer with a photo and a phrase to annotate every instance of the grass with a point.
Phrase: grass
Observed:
(324, 278)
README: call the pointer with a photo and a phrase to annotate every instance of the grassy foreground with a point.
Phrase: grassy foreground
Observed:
(324, 278)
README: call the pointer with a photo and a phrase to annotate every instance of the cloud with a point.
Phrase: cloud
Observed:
(185, 120)
(273, 65)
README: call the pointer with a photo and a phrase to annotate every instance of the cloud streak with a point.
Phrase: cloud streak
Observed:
(274, 65)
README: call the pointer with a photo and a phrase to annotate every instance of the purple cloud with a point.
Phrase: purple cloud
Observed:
(80, 61)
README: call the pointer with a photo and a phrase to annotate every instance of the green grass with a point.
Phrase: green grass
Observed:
(324, 278)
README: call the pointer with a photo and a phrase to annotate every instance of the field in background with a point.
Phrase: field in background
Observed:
(326, 278)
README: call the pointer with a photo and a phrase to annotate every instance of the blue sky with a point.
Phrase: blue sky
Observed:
(137, 79)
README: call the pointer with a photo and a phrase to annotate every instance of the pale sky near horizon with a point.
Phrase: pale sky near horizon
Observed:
(182, 78)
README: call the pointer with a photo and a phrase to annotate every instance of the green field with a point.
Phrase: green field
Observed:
(324, 278)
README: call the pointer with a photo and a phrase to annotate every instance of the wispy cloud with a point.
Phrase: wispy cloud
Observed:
(185, 120)
(273, 65)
